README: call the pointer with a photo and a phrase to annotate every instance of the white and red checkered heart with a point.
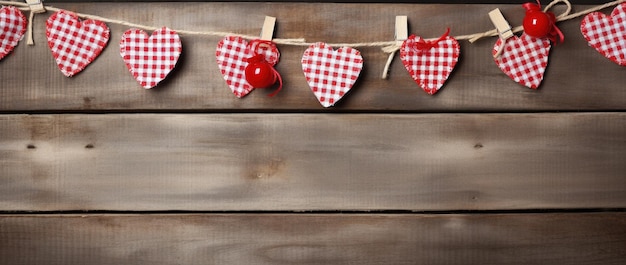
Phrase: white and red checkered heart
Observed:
(231, 55)
(12, 28)
(150, 58)
(607, 34)
(430, 68)
(75, 44)
(524, 59)
(331, 74)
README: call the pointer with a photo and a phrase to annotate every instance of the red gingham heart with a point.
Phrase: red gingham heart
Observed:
(331, 74)
(430, 68)
(607, 34)
(524, 59)
(12, 28)
(231, 55)
(75, 44)
(150, 58)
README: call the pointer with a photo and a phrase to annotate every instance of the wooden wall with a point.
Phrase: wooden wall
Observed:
(96, 170)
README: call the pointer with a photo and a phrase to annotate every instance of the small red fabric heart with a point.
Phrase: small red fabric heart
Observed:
(329, 73)
(607, 34)
(12, 28)
(75, 44)
(524, 59)
(430, 67)
(150, 58)
(231, 56)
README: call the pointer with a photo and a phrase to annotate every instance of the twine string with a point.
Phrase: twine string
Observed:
(29, 30)
(387, 46)
(555, 2)
(556, 32)
(390, 47)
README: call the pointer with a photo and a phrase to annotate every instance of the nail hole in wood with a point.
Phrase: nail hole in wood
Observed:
(89, 146)
(31, 146)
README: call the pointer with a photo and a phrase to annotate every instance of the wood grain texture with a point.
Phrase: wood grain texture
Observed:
(237, 161)
(577, 78)
(312, 161)
(315, 239)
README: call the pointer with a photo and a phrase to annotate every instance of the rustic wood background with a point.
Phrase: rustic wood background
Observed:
(96, 170)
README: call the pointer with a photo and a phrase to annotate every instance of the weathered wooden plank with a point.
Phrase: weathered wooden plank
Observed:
(578, 78)
(312, 161)
(315, 239)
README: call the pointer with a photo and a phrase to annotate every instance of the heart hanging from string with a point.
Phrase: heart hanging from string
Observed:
(150, 58)
(75, 44)
(607, 34)
(331, 73)
(246, 66)
(12, 28)
(525, 59)
(430, 62)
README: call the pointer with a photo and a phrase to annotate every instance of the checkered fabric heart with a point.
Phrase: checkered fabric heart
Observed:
(12, 28)
(430, 68)
(607, 34)
(331, 74)
(150, 58)
(524, 59)
(75, 44)
(231, 55)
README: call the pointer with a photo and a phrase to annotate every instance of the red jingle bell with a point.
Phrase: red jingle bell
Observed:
(537, 23)
(259, 73)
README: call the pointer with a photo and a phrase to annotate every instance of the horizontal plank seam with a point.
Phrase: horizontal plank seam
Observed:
(282, 111)
(344, 1)
(339, 212)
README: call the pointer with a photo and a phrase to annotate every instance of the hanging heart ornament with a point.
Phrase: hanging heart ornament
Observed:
(12, 28)
(234, 55)
(607, 34)
(150, 58)
(75, 44)
(524, 59)
(430, 62)
(331, 73)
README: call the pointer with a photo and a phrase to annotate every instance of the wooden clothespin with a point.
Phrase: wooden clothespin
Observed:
(402, 28)
(267, 32)
(401, 34)
(36, 6)
(503, 28)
